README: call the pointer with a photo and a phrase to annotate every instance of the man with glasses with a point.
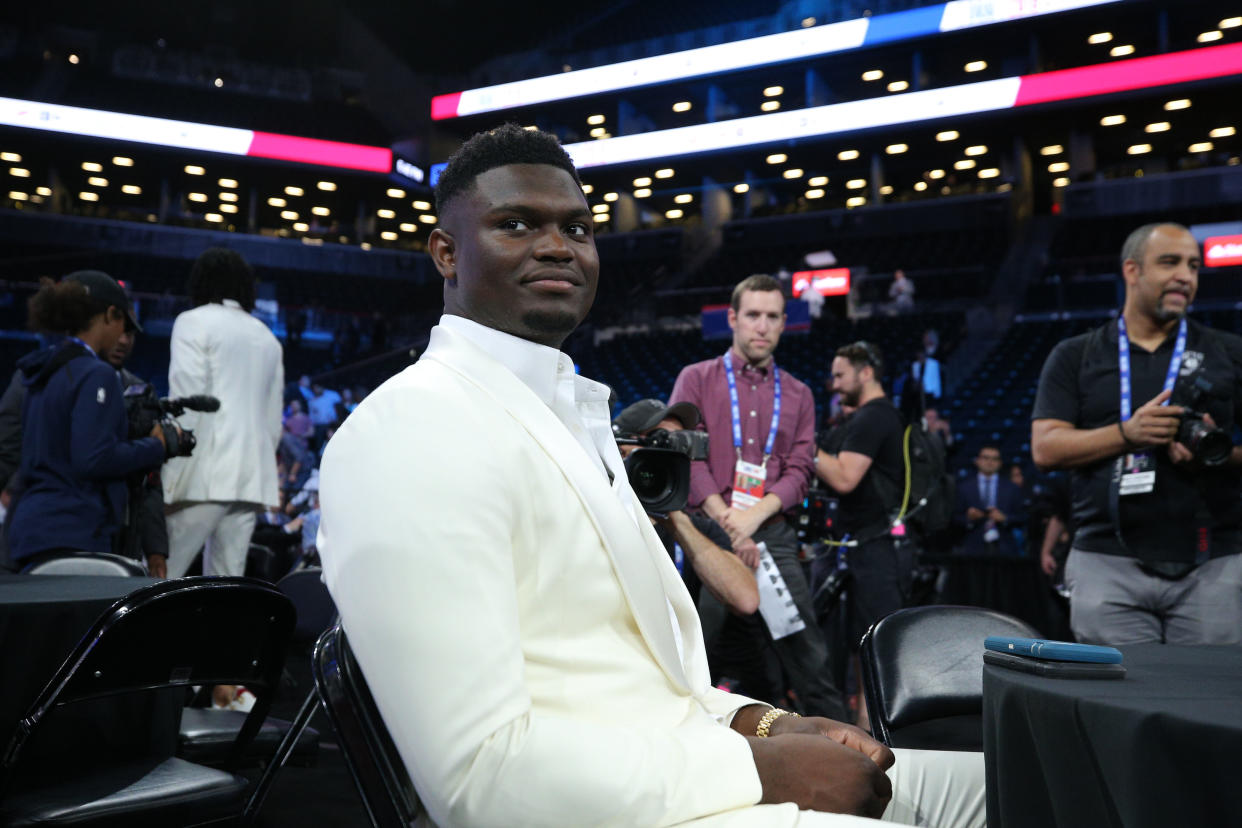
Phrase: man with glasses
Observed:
(989, 507)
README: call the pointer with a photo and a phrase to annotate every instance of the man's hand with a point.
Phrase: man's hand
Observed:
(1180, 453)
(1047, 562)
(848, 735)
(996, 515)
(741, 523)
(1154, 424)
(157, 566)
(748, 551)
(819, 774)
(974, 513)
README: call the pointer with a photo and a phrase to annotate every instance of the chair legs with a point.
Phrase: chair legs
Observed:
(264, 783)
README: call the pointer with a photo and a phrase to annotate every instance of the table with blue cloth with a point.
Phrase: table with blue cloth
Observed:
(1160, 747)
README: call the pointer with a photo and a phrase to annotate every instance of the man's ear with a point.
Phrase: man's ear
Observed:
(732, 316)
(443, 250)
(1130, 271)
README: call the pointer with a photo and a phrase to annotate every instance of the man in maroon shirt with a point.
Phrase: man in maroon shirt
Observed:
(762, 454)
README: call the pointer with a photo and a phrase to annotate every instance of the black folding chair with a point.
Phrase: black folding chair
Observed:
(922, 671)
(204, 630)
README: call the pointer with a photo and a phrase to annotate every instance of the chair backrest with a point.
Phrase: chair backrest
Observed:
(372, 758)
(922, 670)
(86, 563)
(188, 631)
(316, 610)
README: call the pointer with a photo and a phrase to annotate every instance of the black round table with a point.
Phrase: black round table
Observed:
(1160, 747)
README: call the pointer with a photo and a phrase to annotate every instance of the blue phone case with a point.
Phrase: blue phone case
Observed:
(1053, 650)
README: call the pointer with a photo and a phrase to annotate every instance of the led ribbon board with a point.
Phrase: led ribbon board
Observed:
(912, 107)
(1222, 251)
(96, 123)
(747, 54)
(831, 282)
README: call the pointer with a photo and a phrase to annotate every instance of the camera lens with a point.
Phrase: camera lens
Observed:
(649, 479)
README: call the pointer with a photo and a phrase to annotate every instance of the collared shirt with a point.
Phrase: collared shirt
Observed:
(793, 455)
(987, 490)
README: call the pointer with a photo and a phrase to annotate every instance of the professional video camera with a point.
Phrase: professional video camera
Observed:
(659, 470)
(1209, 444)
(144, 410)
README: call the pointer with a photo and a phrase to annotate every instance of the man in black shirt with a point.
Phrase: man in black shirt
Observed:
(1156, 550)
(868, 465)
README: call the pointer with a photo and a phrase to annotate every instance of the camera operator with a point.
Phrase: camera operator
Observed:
(75, 457)
(1140, 410)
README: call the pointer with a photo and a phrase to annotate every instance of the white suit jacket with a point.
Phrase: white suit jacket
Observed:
(223, 351)
(512, 619)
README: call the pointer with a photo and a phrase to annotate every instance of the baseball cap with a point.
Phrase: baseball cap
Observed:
(646, 414)
(107, 293)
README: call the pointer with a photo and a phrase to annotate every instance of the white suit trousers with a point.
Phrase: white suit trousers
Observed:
(221, 530)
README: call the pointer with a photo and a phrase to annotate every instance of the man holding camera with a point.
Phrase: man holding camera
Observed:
(762, 424)
(1140, 410)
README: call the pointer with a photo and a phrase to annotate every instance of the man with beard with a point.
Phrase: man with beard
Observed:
(867, 464)
(1158, 529)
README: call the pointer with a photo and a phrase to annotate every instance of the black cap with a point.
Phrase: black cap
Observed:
(107, 293)
(645, 415)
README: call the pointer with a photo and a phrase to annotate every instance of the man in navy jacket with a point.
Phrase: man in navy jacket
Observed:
(989, 506)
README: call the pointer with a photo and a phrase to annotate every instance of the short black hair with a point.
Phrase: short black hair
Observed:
(860, 354)
(219, 274)
(499, 147)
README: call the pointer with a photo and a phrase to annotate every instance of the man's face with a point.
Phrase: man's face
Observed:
(757, 324)
(847, 381)
(518, 251)
(118, 353)
(1165, 282)
(988, 461)
(668, 424)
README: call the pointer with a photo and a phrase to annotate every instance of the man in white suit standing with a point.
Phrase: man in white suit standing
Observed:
(527, 640)
(219, 349)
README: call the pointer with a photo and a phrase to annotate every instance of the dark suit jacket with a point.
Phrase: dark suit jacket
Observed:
(1008, 500)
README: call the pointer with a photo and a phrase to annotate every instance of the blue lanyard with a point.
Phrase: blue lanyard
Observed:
(737, 411)
(1123, 363)
(83, 344)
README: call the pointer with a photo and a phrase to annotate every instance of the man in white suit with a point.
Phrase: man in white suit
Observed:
(219, 349)
(527, 640)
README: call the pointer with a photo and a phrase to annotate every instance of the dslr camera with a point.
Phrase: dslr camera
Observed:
(659, 470)
(144, 410)
(1209, 444)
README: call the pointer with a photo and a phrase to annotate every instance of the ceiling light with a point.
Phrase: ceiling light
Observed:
(18, 196)
(227, 196)
(667, 172)
(423, 205)
(302, 227)
(531, 128)
(1208, 37)
(777, 158)
(1100, 37)
(1138, 149)
(386, 213)
(1222, 132)
(601, 217)
(1058, 167)
(977, 149)
(396, 192)
(122, 161)
(1121, 51)
(920, 186)
(1230, 23)
(19, 172)
(294, 191)
(896, 149)
(673, 214)
(389, 235)
(773, 91)
(289, 215)
(793, 172)
(194, 169)
(1112, 120)
(808, 22)
(856, 201)
(873, 74)
(91, 166)
(427, 219)
(770, 106)
(11, 157)
(276, 202)
(847, 155)
(1052, 149)
(74, 59)
(43, 191)
(228, 182)
(965, 164)
(326, 186)
(898, 86)
(976, 66)
(586, 188)
(1179, 103)
(682, 106)
(817, 193)
(600, 208)
(818, 181)
(197, 196)
(598, 132)
(88, 196)
(1060, 182)
(683, 198)
(1202, 146)
(131, 189)
(856, 183)
(989, 172)
(228, 208)
(642, 192)
(886, 190)
(934, 174)
(407, 227)
(741, 188)
(948, 135)
(602, 135)
(96, 181)
(595, 120)
(642, 182)
(214, 217)
(321, 211)
(610, 196)
(1159, 126)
